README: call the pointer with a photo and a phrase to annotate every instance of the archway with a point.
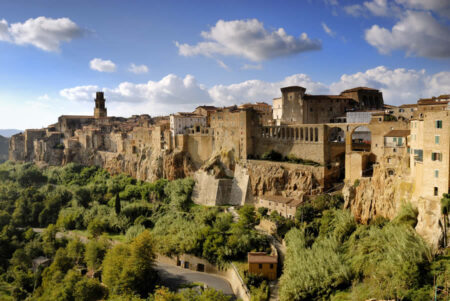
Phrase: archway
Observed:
(336, 135)
(361, 139)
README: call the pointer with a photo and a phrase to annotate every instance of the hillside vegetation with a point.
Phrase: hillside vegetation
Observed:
(150, 218)
(330, 257)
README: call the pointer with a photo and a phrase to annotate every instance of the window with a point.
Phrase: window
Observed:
(436, 157)
(436, 139)
(418, 155)
(271, 266)
(436, 191)
(438, 124)
(260, 266)
(436, 173)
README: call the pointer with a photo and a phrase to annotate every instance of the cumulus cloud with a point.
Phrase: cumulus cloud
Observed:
(441, 7)
(258, 90)
(79, 93)
(44, 33)
(169, 90)
(101, 65)
(328, 30)
(138, 69)
(173, 93)
(417, 33)
(399, 86)
(248, 39)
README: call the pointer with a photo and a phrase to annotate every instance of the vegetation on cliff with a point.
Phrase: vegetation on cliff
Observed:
(148, 217)
(332, 257)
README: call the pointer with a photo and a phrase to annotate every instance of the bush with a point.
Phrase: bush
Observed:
(133, 232)
(97, 226)
(272, 156)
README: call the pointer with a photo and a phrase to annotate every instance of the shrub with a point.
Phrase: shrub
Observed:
(133, 232)
(272, 156)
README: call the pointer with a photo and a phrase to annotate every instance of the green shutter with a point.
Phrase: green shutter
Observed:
(436, 139)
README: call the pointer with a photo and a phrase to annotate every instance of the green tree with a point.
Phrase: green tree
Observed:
(129, 268)
(117, 204)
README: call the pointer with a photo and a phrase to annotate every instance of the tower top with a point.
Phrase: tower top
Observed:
(100, 109)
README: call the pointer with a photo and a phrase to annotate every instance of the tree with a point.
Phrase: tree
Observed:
(75, 250)
(247, 216)
(117, 204)
(95, 252)
(129, 268)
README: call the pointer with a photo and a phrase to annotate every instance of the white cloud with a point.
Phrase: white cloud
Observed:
(252, 67)
(258, 90)
(399, 86)
(80, 93)
(44, 33)
(441, 7)
(328, 30)
(223, 65)
(138, 69)
(169, 90)
(173, 93)
(417, 33)
(378, 7)
(248, 39)
(101, 65)
(355, 10)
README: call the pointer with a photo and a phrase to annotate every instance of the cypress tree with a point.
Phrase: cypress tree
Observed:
(117, 204)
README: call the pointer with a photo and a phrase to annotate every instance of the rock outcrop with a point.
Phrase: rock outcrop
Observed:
(383, 195)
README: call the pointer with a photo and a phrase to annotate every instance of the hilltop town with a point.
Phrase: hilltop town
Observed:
(302, 145)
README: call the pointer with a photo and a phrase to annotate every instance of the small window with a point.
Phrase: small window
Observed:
(260, 266)
(436, 139)
(436, 173)
(438, 124)
(271, 266)
(436, 191)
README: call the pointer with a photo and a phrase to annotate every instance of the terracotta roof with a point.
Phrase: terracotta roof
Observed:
(261, 257)
(185, 114)
(208, 108)
(358, 89)
(398, 133)
(408, 105)
(432, 101)
(386, 106)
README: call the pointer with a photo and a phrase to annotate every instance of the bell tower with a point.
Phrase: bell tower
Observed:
(100, 109)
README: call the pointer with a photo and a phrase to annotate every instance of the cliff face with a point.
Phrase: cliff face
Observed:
(4, 145)
(133, 146)
(275, 178)
(383, 195)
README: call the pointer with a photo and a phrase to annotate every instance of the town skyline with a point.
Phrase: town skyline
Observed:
(154, 58)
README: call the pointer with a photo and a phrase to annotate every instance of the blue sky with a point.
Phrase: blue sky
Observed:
(247, 51)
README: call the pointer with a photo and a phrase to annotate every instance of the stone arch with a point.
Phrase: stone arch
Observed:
(316, 134)
(311, 134)
(336, 135)
(361, 139)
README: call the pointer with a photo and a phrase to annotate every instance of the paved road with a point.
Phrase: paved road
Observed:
(173, 277)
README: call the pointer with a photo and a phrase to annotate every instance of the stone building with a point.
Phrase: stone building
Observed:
(285, 206)
(260, 263)
(430, 154)
(295, 106)
(181, 121)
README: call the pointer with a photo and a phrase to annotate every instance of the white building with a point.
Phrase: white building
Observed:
(180, 121)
